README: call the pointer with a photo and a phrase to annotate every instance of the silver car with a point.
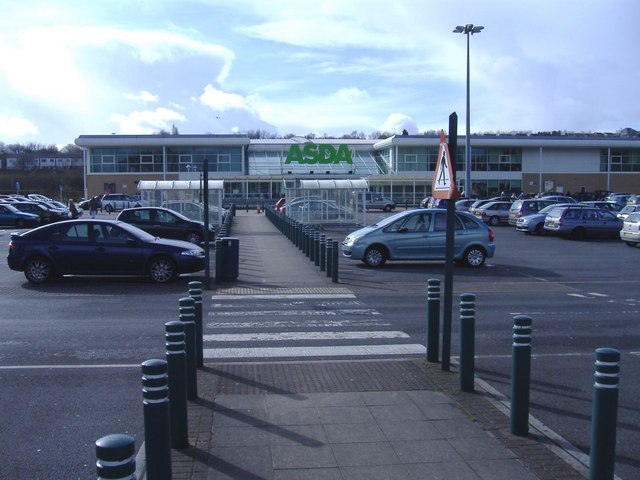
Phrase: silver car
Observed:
(630, 232)
(493, 213)
(579, 222)
(420, 234)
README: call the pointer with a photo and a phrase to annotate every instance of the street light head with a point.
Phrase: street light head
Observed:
(476, 29)
(459, 29)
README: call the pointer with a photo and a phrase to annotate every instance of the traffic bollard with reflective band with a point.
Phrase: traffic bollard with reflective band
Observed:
(312, 246)
(157, 429)
(329, 257)
(334, 261)
(604, 416)
(323, 253)
(188, 317)
(433, 320)
(177, 370)
(195, 292)
(467, 341)
(316, 248)
(116, 457)
(520, 375)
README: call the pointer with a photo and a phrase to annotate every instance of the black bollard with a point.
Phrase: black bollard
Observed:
(467, 341)
(520, 375)
(177, 370)
(433, 320)
(334, 261)
(329, 257)
(188, 317)
(604, 418)
(116, 457)
(195, 292)
(323, 253)
(157, 429)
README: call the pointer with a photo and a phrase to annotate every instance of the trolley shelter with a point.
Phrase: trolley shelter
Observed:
(184, 196)
(327, 201)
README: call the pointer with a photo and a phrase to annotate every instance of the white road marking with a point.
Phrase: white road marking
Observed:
(598, 294)
(285, 296)
(263, 337)
(298, 313)
(335, 351)
(308, 323)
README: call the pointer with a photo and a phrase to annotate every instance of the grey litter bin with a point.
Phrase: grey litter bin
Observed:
(227, 258)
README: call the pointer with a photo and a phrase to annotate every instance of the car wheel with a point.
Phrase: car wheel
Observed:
(194, 237)
(578, 234)
(475, 256)
(631, 244)
(38, 270)
(108, 208)
(387, 208)
(375, 256)
(539, 229)
(494, 221)
(20, 223)
(162, 269)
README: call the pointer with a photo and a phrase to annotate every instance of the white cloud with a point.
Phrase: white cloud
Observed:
(142, 96)
(397, 122)
(147, 121)
(16, 126)
(350, 94)
(222, 101)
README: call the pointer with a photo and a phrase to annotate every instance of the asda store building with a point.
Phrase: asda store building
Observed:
(400, 167)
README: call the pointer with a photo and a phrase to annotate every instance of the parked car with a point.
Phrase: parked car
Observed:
(112, 202)
(522, 208)
(279, 204)
(579, 222)
(626, 210)
(374, 201)
(613, 207)
(318, 211)
(630, 232)
(56, 213)
(420, 234)
(194, 210)
(10, 216)
(493, 213)
(534, 222)
(35, 208)
(165, 223)
(464, 204)
(560, 199)
(100, 247)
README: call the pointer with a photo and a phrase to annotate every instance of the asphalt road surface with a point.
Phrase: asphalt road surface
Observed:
(71, 351)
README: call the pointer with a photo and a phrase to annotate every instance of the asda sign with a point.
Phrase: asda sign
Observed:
(312, 154)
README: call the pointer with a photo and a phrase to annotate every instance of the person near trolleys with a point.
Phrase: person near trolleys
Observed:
(93, 206)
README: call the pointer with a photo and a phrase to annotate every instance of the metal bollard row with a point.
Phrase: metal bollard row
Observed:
(322, 251)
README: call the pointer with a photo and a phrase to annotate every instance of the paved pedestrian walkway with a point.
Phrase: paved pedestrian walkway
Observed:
(377, 419)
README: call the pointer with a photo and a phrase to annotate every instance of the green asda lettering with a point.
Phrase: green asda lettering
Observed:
(313, 154)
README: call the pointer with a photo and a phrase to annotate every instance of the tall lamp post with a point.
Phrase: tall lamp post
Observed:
(468, 189)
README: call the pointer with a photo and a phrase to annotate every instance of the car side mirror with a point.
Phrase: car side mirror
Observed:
(403, 230)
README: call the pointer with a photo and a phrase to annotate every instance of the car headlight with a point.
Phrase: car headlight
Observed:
(192, 253)
(350, 241)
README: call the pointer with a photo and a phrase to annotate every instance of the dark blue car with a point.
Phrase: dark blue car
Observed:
(100, 247)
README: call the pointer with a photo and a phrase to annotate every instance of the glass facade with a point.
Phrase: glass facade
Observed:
(126, 160)
(151, 159)
(622, 160)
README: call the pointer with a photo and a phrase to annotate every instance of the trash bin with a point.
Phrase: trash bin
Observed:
(227, 258)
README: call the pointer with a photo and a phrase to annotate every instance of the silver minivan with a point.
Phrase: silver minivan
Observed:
(527, 206)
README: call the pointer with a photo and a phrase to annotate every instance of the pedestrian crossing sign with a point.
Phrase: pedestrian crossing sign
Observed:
(444, 185)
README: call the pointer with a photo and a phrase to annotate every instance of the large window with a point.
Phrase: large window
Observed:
(125, 160)
(219, 159)
(622, 160)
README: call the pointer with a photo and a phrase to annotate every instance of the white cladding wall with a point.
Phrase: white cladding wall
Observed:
(560, 160)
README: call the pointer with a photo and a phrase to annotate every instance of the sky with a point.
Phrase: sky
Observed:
(327, 67)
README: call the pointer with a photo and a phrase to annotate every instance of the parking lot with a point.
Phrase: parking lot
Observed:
(580, 294)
